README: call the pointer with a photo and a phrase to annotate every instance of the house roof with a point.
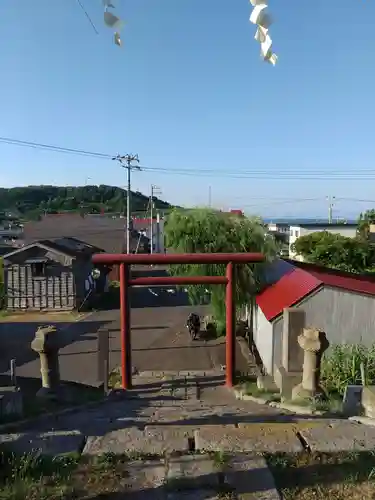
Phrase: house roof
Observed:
(300, 280)
(100, 231)
(72, 247)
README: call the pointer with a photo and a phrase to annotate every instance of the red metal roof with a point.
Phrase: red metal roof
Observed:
(288, 290)
(353, 283)
(292, 287)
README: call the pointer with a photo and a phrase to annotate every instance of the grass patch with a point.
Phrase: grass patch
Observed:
(333, 403)
(220, 459)
(342, 367)
(315, 476)
(250, 388)
(65, 477)
(114, 379)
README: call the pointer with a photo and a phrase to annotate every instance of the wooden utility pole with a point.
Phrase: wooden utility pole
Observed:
(126, 161)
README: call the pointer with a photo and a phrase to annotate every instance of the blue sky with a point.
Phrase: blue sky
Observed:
(189, 91)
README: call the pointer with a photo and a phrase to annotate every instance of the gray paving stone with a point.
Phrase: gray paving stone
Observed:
(47, 443)
(170, 432)
(251, 478)
(340, 435)
(118, 442)
(133, 440)
(191, 472)
(244, 440)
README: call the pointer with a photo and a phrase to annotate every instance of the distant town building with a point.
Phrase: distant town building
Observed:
(52, 275)
(10, 230)
(278, 227)
(345, 229)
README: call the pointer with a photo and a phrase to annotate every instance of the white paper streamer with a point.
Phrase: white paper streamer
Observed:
(117, 39)
(262, 19)
(112, 21)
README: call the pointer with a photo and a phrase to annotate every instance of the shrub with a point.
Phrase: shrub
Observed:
(342, 367)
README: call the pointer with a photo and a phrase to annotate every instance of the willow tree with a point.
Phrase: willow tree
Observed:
(205, 231)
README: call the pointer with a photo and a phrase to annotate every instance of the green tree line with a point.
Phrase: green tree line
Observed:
(32, 201)
(356, 255)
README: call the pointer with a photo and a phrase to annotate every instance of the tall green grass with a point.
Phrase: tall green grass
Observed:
(342, 367)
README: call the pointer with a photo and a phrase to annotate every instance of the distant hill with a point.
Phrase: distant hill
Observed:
(32, 201)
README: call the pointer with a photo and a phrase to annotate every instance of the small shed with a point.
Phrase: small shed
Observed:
(51, 275)
(341, 304)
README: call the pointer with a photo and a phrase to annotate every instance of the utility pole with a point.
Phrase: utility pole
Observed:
(209, 196)
(126, 161)
(154, 190)
(330, 208)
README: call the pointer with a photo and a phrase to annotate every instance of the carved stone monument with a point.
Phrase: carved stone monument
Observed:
(46, 345)
(313, 342)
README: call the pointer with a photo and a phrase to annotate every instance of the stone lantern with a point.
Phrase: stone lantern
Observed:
(313, 342)
(46, 345)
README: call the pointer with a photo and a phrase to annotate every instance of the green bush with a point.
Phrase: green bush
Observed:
(342, 367)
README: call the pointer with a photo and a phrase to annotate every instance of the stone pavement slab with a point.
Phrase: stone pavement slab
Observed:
(47, 443)
(133, 440)
(256, 439)
(251, 478)
(339, 435)
(192, 472)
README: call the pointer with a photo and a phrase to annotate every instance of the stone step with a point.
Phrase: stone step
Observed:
(50, 443)
(164, 435)
(250, 478)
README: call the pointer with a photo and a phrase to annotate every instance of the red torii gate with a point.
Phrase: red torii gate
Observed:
(126, 260)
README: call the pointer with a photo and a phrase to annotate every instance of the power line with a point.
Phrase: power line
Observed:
(88, 16)
(58, 149)
(313, 174)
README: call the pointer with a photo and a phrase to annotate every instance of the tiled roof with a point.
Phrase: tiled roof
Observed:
(102, 232)
(299, 281)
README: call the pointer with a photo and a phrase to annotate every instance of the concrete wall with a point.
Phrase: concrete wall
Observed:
(263, 339)
(345, 317)
(297, 231)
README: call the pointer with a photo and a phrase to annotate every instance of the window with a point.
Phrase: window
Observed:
(38, 269)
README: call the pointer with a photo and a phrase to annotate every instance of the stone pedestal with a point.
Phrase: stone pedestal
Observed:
(313, 342)
(368, 401)
(287, 370)
(286, 381)
(46, 345)
(11, 402)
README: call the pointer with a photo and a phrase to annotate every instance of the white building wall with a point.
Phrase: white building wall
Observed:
(263, 339)
(297, 231)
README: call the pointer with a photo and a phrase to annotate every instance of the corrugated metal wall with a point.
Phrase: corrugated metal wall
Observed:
(54, 291)
(346, 317)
